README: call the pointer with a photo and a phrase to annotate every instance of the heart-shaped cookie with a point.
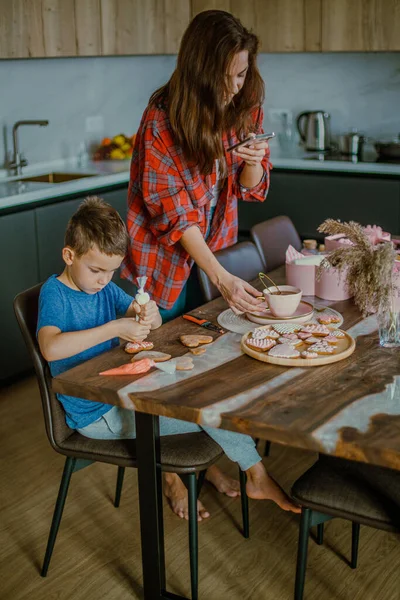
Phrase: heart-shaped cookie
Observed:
(152, 354)
(133, 347)
(261, 345)
(284, 351)
(184, 363)
(308, 354)
(192, 341)
(321, 348)
(198, 350)
(317, 330)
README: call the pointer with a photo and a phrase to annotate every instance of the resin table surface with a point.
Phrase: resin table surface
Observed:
(349, 409)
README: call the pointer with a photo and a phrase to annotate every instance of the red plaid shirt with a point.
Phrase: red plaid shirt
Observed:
(166, 197)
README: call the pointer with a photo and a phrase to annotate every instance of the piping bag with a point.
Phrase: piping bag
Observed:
(141, 366)
(142, 297)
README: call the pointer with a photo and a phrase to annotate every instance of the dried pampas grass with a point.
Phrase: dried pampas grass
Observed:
(369, 267)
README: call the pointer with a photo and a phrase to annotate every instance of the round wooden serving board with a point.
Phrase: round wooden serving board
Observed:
(342, 350)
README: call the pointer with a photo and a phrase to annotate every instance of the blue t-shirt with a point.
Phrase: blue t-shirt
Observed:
(72, 310)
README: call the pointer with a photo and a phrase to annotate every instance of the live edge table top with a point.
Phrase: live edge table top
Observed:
(349, 409)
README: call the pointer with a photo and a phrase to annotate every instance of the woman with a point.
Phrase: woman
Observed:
(183, 194)
(184, 185)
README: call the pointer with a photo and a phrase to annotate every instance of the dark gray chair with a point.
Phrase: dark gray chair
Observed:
(336, 488)
(186, 454)
(241, 260)
(244, 261)
(272, 237)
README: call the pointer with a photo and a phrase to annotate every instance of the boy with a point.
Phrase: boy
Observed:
(78, 310)
(78, 320)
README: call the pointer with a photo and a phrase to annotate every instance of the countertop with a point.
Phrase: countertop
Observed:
(116, 173)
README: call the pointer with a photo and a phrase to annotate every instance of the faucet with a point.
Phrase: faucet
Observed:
(18, 160)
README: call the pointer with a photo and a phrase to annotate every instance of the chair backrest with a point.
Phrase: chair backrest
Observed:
(242, 260)
(26, 306)
(272, 238)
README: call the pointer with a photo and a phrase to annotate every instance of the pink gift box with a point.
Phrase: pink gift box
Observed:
(374, 232)
(332, 285)
(302, 276)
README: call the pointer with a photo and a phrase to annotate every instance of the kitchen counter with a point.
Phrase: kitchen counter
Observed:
(104, 174)
(116, 173)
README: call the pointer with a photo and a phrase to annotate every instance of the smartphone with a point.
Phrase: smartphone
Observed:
(250, 140)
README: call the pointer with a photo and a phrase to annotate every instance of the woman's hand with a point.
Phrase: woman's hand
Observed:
(240, 295)
(252, 154)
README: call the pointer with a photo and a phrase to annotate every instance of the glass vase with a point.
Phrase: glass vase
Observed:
(389, 328)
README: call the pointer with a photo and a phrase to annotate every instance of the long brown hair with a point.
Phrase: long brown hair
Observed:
(195, 94)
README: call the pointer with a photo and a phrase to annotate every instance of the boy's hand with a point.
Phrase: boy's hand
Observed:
(148, 313)
(131, 330)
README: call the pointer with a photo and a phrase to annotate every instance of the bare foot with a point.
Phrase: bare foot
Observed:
(177, 495)
(222, 482)
(262, 486)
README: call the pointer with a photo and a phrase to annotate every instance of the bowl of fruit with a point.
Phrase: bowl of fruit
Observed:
(120, 147)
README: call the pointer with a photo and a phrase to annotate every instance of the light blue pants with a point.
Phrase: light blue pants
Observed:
(119, 424)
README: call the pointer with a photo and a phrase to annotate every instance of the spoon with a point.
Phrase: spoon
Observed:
(261, 277)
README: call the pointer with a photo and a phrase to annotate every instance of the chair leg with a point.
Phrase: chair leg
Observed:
(118, 488)
(267, 448)
(200, 481)
(320, 534)
(302, 553)
(193, 535)
(245, 504)
(58, 511)
(355, 537)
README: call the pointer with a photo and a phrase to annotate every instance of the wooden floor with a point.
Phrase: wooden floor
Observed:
(97, 554)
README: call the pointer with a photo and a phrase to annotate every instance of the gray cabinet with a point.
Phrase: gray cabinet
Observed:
(52, 221)
(309, 198)
(18, 271)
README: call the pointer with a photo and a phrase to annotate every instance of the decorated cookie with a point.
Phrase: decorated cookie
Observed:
(337, 333)
(284, 351)
(312, 340)
(335, 319)
(303, 335)
(260, 333)
(317, 330)
(291, 336)
(197, 351)
(286, 327)
(325, 319)
(184, 363)
(261, 345)
(192, 341)
(321, 348)
(294, 343)
(134, 347)
(272, 334)
(152, 354)
(331, 339)
(308, 354)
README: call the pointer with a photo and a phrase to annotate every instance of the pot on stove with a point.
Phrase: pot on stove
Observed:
(351, 144)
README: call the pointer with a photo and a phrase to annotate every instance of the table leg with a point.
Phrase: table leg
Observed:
(150, 502)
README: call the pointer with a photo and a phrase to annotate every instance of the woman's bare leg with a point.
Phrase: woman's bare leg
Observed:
(262, 486)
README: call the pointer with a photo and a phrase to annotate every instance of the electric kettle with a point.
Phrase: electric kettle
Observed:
(314, 129)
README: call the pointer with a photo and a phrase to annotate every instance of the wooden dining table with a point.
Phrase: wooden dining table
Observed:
(350, 409)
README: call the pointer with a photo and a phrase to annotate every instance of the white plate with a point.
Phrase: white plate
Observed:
(240, 324)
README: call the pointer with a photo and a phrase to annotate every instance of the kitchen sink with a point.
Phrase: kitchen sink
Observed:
(56, 177)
